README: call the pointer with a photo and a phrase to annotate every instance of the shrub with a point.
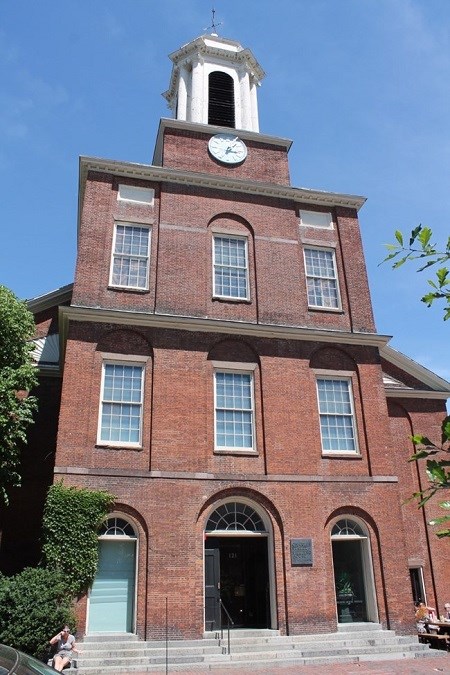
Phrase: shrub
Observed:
(33, 606)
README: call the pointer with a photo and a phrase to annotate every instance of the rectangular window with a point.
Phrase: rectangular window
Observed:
(121, 404)
(234, 411)
(135, 194)
(337, 424)
(230, 267)
(417, 586)
(130, 261)
(316, 219)
(321, 279)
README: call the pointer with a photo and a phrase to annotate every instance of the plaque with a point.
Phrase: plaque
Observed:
(301, 552)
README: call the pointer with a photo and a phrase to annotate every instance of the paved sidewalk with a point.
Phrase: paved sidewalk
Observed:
(421, 666)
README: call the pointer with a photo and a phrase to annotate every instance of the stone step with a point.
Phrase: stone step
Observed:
(126, 656)
(242, 666)
(241, 645)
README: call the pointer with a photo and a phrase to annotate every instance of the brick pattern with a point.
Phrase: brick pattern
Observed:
(188, 150)
(169, 486)
(183, 220)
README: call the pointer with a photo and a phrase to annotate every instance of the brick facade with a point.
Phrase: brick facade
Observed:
(168, 485)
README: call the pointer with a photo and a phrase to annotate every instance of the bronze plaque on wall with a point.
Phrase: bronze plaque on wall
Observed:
(301, 552)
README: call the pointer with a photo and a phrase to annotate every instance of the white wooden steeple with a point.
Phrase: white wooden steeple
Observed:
(214, 81)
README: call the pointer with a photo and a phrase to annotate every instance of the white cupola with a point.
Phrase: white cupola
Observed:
(214, 81)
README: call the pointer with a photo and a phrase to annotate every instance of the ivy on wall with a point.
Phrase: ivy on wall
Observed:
(72, 517)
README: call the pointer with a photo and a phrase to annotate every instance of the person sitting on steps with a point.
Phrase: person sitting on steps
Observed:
(65, 647)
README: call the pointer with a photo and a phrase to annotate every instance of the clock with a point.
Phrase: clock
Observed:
(227, 148)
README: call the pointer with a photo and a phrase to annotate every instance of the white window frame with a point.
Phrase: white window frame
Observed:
(307, 219)
(216, 294)
(342, 378)
(115, 254)
(135, 194)
(335, 278)
(239, 369)
(123, 361)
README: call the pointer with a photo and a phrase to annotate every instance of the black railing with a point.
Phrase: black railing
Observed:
(230, 623)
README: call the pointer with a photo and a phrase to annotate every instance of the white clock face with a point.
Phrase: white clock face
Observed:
(227, 148)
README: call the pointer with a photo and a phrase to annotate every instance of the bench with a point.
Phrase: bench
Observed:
(435, 641)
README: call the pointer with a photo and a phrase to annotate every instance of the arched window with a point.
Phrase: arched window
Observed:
(116, 527)
(235, 516)
(221, 100)
(347, 528)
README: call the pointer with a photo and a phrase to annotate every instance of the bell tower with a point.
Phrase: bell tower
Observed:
(214, 81)
(214, 128)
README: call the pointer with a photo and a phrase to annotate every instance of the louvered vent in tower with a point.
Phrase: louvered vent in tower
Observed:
(221, 100)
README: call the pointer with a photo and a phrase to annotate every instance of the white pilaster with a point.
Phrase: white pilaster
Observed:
(182, 98)
(246, 112)
(254, 105)
(197, 95)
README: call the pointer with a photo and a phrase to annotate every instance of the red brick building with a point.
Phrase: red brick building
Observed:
(222, 376)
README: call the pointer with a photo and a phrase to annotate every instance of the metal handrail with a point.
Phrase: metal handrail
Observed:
(229, 621)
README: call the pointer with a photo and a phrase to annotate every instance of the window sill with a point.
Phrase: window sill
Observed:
(332, 310)
(238, 453)
(128, 289)
(341, 455)
(118, 446)
(242, 301)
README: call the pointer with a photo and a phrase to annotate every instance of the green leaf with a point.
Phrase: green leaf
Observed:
(424, 236)
(400, 262)
(442, 275)
(436, 472)
(439, 521)
(414, 234)
(446, 429)
(445, 505)
(443, 533)
(419, 455)
(418, 439)
(399, 237)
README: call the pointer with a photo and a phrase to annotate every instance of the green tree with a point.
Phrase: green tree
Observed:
(18, 376)
(419, 248)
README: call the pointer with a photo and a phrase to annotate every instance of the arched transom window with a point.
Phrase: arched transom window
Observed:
(117, 527)
(347, 528)
(235, 516)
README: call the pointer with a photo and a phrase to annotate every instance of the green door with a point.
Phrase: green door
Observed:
(111, 605)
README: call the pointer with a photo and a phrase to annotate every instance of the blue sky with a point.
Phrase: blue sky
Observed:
(361, 86)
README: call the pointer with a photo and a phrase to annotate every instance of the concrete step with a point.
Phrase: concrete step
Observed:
(123, 655)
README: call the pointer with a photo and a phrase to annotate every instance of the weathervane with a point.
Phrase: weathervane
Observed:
(213, 27)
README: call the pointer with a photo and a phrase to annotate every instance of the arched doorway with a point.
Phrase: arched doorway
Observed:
(112, 598)
(353, 572)
(237, 565)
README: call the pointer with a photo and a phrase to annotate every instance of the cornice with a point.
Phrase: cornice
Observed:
(230, 477)
(428, 378)
(51, 299)
(195, 324)
(192, 178)
(398, 392)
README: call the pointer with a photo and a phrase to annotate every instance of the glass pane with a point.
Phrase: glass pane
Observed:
(230, 267)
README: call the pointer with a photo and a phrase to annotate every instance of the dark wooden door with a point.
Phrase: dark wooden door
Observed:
(212, 589)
